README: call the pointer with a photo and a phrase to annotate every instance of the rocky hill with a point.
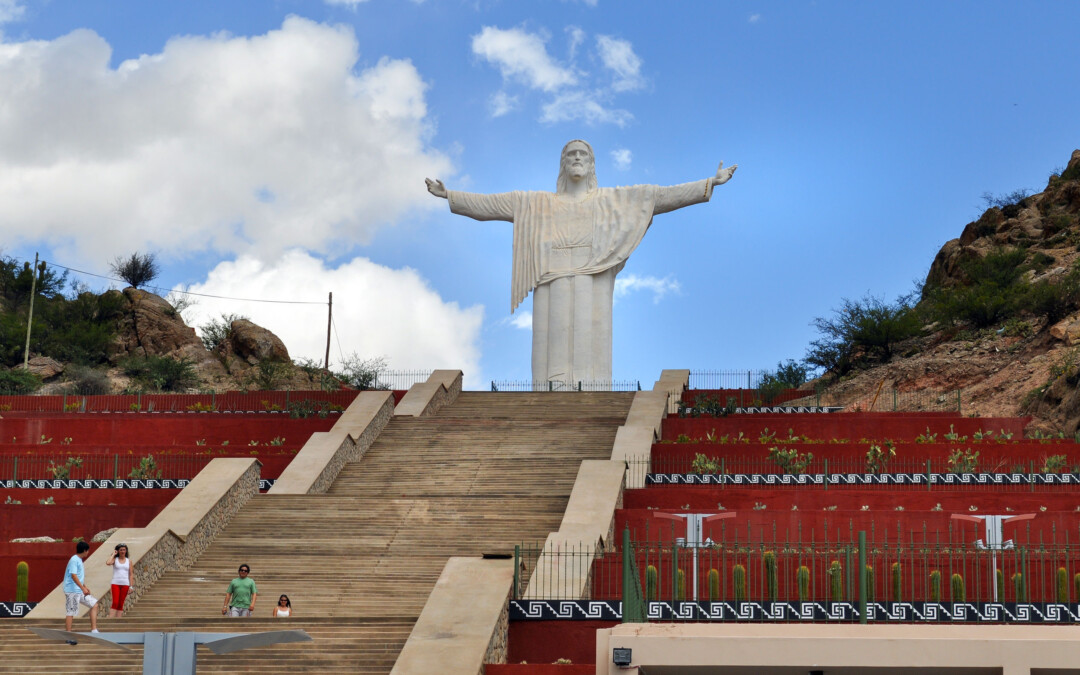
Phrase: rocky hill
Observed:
(1010, 339)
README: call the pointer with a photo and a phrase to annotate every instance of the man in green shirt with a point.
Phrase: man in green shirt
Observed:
(240, 597)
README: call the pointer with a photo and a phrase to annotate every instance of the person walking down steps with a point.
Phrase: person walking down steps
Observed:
(240, 597)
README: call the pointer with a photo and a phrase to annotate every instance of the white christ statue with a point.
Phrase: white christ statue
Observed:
(568, 247)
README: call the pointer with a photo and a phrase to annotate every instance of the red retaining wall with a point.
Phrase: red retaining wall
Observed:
(164, 429)
(542, 642)
(47, 563)
(175, 463)
(540, 668)
(88, 497)
(839, 425)
(66, 521)
(744, 397)
(880, 499)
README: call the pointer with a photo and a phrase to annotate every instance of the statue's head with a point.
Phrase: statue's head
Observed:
(578, 163)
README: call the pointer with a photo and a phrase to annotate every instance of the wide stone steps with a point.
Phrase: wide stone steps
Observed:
(486, 473)
(338, 646)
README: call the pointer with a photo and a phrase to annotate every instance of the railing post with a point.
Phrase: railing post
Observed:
(862, 576)
(15, 468)
(517, 569)
(929, 478)
(825, 481)
(116, 469)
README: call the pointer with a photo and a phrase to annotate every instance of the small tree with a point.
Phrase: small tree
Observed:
(138, 269)
(362, 373)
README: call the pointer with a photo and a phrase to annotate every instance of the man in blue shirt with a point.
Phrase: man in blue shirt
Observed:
(75, 591)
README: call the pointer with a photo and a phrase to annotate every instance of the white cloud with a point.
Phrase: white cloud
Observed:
(576, 37)
(502, 103)
(523, 56)
(618, 56)
(521, 320)
(590, 3)
(622, 158)
(754, 18)
(10, 10)
(236, 145)
(630, 283)
(378, 311)
(582, 106)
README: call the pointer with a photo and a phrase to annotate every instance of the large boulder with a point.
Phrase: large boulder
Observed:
(254, 343)
(152, 327)
(44, 367)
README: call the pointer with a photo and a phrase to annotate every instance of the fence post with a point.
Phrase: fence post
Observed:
(116, 469)
(928, 477)
(633, 610)
(862, 576)
(825, 481)
(15, 468)
(517, 568)
(493, 386)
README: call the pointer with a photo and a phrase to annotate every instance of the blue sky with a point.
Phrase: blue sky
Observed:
(277, 150)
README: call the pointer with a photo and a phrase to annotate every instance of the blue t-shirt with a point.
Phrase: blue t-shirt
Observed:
(75, 566)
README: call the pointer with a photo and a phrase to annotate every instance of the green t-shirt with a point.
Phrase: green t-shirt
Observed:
(241, 591)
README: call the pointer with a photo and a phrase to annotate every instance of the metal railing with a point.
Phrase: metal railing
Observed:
(400, 380)
(231, 401)
(528, 385)
(911, 567)
(888, 400)
(103, 466)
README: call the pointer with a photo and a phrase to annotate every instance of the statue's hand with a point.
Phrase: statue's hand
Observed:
(436, 187)
(724, 175)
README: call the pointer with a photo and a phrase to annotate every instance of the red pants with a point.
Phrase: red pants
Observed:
(119, 594)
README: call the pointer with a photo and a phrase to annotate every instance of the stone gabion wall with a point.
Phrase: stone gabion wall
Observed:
(218, 516)
(353, 449)
(500, 637)
(443, 396)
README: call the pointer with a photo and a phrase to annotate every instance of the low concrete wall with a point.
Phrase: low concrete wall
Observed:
(174, 539)
(464, 623)
(587, 527)
(634, 439)
(321, 459)
(426, 398)
(851, 648)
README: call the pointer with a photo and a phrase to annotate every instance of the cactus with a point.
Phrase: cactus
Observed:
(738, 575)
(897, 582)
(869, 583)
(680, 585)
(1001, 586)
(958, 590)
(1019, 590)
(714, 585)
(22, 582)
(1076, 585)
(802, 579)
(836, 582)
(935, 586)
(1062, 585)
(650, 583)
(770, 575)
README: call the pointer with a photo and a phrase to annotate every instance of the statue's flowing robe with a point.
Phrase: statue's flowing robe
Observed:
(568, 251)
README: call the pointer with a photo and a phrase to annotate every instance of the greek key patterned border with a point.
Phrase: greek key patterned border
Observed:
(899, 612)
(864, 479)
(15, 610)
(108, 484)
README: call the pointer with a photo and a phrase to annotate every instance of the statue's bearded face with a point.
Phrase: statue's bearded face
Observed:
(577, 161)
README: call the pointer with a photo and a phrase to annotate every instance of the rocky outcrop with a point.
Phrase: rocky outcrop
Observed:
(44, 367)
(151, 326)
(254, 343)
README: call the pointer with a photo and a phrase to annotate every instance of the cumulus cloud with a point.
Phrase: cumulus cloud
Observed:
(520, 320)
(572, 94)
(631, 283)
(582, 106)
(378, 311)
(10, 10)
(502, 103)
(754, 18)
(236, 145)
(622, 158)
(618, 56)
(522, 55)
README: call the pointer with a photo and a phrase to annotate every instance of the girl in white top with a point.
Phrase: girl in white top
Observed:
(283, 609)
(123, 579)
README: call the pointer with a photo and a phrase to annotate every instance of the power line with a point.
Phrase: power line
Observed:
(201, 295)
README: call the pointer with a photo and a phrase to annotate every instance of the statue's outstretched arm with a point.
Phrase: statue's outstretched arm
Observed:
(437, 188)
(722, 175)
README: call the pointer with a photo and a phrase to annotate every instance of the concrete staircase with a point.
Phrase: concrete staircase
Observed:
(358, 563)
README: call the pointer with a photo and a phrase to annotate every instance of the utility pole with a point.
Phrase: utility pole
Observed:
(329, 322)
(30, 318)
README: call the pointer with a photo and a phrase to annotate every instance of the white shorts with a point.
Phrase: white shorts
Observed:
(73, 600)
(239, 611)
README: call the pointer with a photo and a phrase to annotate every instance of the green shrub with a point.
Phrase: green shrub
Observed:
(935, 586)
(63, 471)
(703, 464)
(836, 581)
(1076, 584)
(1001, 586)
(22, 582)
(738, 577)
(146, 470)
(790, 460)
(1062, 585)
(897, 582)
(1019, 588)
(869, 583)
(161, 373)
(958, 590)
(217, 331)
(680, 585)
(86, 381)
(862, 332)
(18, 382)
(770, 575)
(138, 269)
(802, 580)
(651, 583)
(714, 585)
